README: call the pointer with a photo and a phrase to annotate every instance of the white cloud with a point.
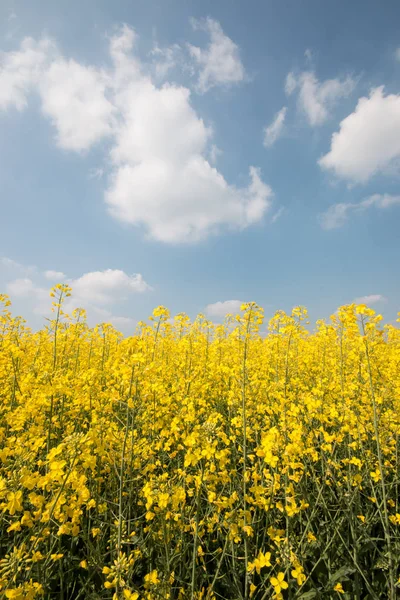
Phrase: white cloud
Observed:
(221, 309)
(93, 291)
(380, 201)
(162, 178)
(368, 141)
(215, 152)
(220, 62)
(316, 99)
(73, 97)
(337, 214)
(274, 131)
(26, 288)
(21, 71)
(20, 287)
(105, 287)
(9, 262)
(125, 324)
(185, 203)
(58, 276)
(290, 84)
(370, 300)
(397, 54)
(165, 60)
(13, 265)
(161, 175)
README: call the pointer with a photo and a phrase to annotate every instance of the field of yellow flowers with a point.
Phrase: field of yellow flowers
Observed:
(200, 461)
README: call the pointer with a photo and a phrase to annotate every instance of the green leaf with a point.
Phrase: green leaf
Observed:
(341, 574)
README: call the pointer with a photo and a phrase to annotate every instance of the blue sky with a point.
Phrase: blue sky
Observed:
(200, 154)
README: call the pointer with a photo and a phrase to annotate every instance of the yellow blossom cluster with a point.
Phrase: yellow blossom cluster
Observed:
(198, 460)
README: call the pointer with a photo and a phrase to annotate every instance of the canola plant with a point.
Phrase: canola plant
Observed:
(200, 461)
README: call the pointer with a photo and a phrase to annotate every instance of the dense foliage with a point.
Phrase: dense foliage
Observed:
(194, 460)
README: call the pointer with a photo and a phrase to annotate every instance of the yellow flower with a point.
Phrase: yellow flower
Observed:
(298, 574)
(339, 588)
(262, 560)
(279, 583)
(64, 529)
(15, 594)
(376, 475)
(95, 531)
(175, 418)
(55, 557)
(361, 517)
(14, 502)
(27, 519)
(130, 595)
(152, 578)
(395, 519)
(36, 556)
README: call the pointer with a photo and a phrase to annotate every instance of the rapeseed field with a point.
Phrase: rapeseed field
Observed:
(200, 461)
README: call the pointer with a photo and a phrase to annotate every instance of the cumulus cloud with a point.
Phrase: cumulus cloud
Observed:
(337, 214)
(95, 291)
(370, 300)
(274, 131)
(221, 309)
(58, 276)
(220, 62)
(37, 295)
(105, 287)
(368, 140)
(162, 178)
(21, 71)
(316, 99)
(185, 202)
(161, 174)
(20, 287)
(215, 152)
(74, 98)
